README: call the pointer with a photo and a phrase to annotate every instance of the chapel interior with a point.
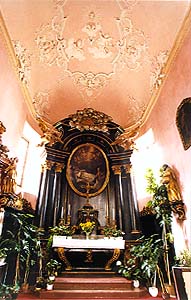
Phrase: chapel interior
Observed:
(94, 96)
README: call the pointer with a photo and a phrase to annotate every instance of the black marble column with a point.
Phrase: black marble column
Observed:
(130, 203)
(56, 193)
(44, 194)
(118, 197)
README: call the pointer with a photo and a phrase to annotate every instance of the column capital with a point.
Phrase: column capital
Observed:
(48, 165)
(116, 169)
(59, 167)
(127, 168)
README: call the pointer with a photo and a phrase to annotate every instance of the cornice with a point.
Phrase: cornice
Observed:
(15, 63)
(166, 70)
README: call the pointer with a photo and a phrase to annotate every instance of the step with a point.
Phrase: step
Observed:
(92, 283)
(93, 294)
(88, 274)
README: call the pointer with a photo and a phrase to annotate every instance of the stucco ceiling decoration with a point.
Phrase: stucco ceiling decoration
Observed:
(110, 55)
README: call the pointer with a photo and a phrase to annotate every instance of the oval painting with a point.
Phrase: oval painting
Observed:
(87, 170)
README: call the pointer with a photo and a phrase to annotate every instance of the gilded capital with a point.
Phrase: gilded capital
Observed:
(48, 164)
(127, 169)
(59, 167)
(116, 169)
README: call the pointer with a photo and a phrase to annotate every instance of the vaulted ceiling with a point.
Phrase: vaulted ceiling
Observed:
(110, 55)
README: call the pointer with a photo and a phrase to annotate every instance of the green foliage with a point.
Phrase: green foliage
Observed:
(143, 261)
(65, 230)
(8, 291)
(24, 243)
(27, 242)
(112, 231)
(159, 204)
(40, 283)
(184, 258)
(53, 266)
(151, 182)
(7, 245)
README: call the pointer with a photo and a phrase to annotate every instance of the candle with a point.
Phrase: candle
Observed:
(62, 212)
(113, 213)
(69, 208)
(106, 209)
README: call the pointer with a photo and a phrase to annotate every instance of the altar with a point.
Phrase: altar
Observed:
(89, 252)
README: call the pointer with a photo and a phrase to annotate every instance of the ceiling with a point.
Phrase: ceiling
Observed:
(110, 55)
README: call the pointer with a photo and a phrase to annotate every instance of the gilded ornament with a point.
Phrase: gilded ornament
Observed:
(50, 134)
(90, 119)
(8, 181)
(127, 139)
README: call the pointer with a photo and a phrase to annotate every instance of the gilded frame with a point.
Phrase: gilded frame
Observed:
(87, 170)
(183, 117)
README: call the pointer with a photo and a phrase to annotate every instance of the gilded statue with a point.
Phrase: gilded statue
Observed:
(169, 179)
(8, 184)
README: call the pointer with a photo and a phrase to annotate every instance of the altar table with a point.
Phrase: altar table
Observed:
(61, 244)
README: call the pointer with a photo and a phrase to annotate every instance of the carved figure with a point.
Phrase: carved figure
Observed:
(9, 177)
(168, 177)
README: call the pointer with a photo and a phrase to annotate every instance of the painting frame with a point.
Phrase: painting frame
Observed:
(183, 117)
(87, 170)
(179, 282)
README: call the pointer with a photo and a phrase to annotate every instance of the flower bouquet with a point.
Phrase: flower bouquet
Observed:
(87, 227)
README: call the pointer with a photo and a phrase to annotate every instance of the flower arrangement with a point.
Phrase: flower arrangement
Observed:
(88, 226)
(112, 231)
(65, 230)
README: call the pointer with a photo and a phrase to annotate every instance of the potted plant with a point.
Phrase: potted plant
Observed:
(143, 260)
(63, 230)
(49, 284)
(182, 274)
(107, 231)
(112, 231)
(9, 292)
(22, 243)
(161, 208)
(40, 283)
(184, 258)
(52, 267)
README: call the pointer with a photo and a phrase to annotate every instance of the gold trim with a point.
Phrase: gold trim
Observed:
(174, 52)
(87, 193)
(59, 167)
(116, 169)
(62, 256)
(115, 256)
(15, 63)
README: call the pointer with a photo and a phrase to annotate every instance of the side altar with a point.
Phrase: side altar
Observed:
(108, 250)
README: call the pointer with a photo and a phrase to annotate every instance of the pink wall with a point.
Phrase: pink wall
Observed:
(13, 109)
(162, 120)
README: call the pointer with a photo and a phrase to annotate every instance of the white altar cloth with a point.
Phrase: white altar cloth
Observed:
(61, 242)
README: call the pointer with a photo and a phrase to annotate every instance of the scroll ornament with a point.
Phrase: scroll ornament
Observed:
(50, 134)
